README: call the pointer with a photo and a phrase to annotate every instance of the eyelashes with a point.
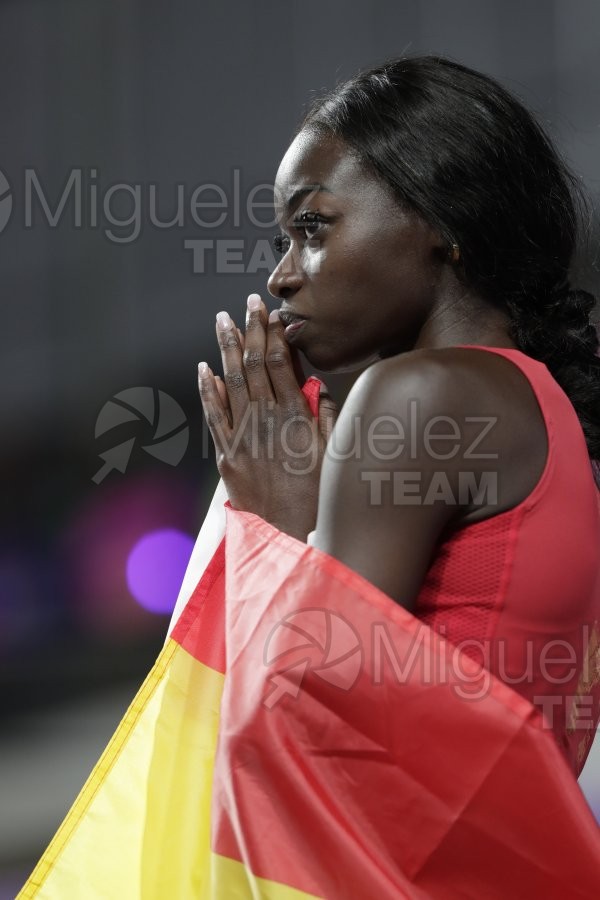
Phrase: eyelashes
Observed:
(307, 224)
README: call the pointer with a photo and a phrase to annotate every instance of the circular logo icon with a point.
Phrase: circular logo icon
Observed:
(316, 639)
(143, 404)
(6, 201)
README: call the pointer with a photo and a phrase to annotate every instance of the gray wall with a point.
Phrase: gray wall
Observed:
(185, 92)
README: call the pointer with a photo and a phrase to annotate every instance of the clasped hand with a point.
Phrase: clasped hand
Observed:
(269, 447)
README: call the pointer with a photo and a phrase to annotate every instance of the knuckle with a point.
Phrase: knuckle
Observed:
(228, 340)
(300, 421)
(224, 466)
(235, 381)
(253, 321)
(277, 359)
(214, 418)
(253, 360)
(295, 405)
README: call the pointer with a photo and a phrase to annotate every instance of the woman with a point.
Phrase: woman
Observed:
(427, 229)
(425, 219)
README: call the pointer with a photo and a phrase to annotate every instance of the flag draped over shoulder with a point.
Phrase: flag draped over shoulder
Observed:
(360, 755)
(301, 735)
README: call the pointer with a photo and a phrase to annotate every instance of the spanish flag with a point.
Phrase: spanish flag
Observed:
(301, 735)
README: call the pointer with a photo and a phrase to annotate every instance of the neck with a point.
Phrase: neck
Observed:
(463, 317)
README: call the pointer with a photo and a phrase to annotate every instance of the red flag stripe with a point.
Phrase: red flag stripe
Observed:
(390, 787)
(201, 627)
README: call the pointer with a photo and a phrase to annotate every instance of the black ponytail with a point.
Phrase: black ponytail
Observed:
(460, 150)
(562, 336)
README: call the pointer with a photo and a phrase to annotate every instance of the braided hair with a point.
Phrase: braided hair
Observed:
(462, 152)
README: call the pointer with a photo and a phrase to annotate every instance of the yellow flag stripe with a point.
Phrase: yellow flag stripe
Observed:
(140, 827)
(231, 880)
(145, 807)
(99, 773)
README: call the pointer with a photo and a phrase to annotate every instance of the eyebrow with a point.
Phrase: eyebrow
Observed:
(303, 191)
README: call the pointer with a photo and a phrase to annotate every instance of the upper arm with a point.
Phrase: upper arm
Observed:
(388, 487)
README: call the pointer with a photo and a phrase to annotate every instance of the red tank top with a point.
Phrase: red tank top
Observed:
(520, 592)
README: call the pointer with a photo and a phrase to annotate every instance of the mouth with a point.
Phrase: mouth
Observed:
(293, 323)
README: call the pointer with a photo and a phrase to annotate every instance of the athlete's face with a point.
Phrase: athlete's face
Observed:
(359, 271)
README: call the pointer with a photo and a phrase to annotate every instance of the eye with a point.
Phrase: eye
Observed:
(307, 224)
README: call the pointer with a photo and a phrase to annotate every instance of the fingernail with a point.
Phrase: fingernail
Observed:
(254, 302)
(274, 316)
(202, 369)
(224, 321)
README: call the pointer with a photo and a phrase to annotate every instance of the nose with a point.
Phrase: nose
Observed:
(286, 278)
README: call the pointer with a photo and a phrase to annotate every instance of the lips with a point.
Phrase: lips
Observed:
(293, 323)
(290, 318)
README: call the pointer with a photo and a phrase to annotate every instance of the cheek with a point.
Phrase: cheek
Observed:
(314, 261)
(341, 266)
(369, 259)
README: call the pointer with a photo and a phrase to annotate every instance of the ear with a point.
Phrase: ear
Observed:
(444, 249)
(435, 244)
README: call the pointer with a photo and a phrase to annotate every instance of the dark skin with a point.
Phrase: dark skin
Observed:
(374, 286)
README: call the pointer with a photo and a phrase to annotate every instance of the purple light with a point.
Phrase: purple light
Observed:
(156, 566)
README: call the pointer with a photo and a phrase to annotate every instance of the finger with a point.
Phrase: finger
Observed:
(298, 370)
(240, 338)
(280, 365)
(222, 390)
(259, 383)
(328, 413)
(214, 411)
(233, 372)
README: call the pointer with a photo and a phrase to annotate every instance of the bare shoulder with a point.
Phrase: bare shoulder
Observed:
(481, 401)
(454, 376)
(426, 440)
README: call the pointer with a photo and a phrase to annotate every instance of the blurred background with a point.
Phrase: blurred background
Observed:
(133, 134)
